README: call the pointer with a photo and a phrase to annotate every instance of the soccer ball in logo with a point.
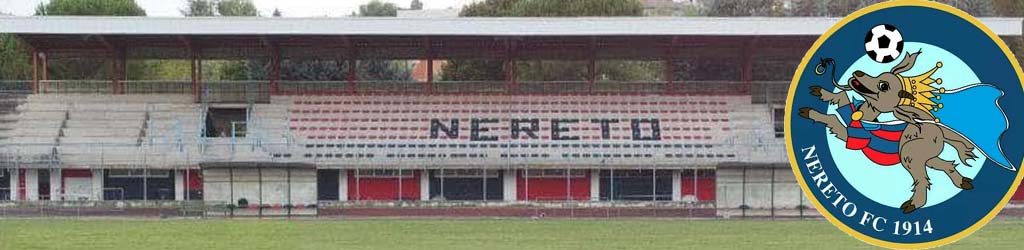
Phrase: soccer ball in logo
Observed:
(884, 43)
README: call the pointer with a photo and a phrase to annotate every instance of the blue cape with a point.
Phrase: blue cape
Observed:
(973, 111)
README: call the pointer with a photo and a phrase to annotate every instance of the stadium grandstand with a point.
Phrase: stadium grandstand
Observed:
(666, 143)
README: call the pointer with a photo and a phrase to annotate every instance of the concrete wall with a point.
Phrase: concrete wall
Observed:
(760, 191)
(260, 186)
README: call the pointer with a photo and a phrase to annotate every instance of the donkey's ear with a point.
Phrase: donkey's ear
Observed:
(906, 64)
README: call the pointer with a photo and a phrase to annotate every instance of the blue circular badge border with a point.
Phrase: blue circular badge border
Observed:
(976, 222)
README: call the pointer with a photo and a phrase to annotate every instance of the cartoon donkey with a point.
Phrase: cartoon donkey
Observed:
(917, 137)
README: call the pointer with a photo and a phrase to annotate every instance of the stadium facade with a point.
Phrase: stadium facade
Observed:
(668, 141)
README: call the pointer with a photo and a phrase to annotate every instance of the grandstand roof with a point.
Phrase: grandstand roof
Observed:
(418, 38)
(584, 26)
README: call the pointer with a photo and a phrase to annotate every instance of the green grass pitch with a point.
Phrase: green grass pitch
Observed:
(253, 234)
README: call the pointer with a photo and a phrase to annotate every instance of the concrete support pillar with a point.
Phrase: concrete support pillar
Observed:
(15, 176)
(677, 185)
(425, 185)
(595, 184)
(509, 185)
(97, 185)
(32, 184)
(56, 185)
(179, 185)
(343, 185)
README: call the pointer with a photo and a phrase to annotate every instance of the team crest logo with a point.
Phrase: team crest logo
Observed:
(904, 124)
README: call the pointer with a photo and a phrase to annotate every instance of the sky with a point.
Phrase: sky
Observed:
(290, 8)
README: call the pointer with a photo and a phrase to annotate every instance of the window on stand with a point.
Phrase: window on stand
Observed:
(465, 184)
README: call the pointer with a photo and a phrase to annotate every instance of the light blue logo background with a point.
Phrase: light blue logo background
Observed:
(891, 185)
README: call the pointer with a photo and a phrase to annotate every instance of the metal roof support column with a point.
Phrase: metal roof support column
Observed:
(195, 82)
(351, 76)
(197, 79)
(351, 61)
(670, 68)
(592, 73)
(747, 75)
(275, 70)
(193, 57)
(592, 64)
(120, 71)
(43, 59)
(430, 65)
(35, 71)
(510, 66)
(113, 73)
(116, 69)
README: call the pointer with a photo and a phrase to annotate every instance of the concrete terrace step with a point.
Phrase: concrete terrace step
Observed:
(102, 132)
(99, 140)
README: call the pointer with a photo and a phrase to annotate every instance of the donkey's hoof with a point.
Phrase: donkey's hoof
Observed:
(907, 207)
(966, 184)
(816, 91)
(805, 113)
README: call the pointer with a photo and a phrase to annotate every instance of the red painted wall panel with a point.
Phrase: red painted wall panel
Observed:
(75, 173)
(705, 188)
(195, 180)
(383, 188)
(551, 189)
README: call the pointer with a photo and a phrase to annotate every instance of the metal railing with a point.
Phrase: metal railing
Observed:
(16, 86)
(107, 86)
(236, 91)
(76, 87)
(158, 87)
(184, 152)
(762, 92)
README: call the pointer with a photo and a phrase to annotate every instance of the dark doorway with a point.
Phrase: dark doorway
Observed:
(226, 122)
(466, 184)
(327, 184)
(43, 181)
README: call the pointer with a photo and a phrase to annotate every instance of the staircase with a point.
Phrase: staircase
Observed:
(28, 129)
